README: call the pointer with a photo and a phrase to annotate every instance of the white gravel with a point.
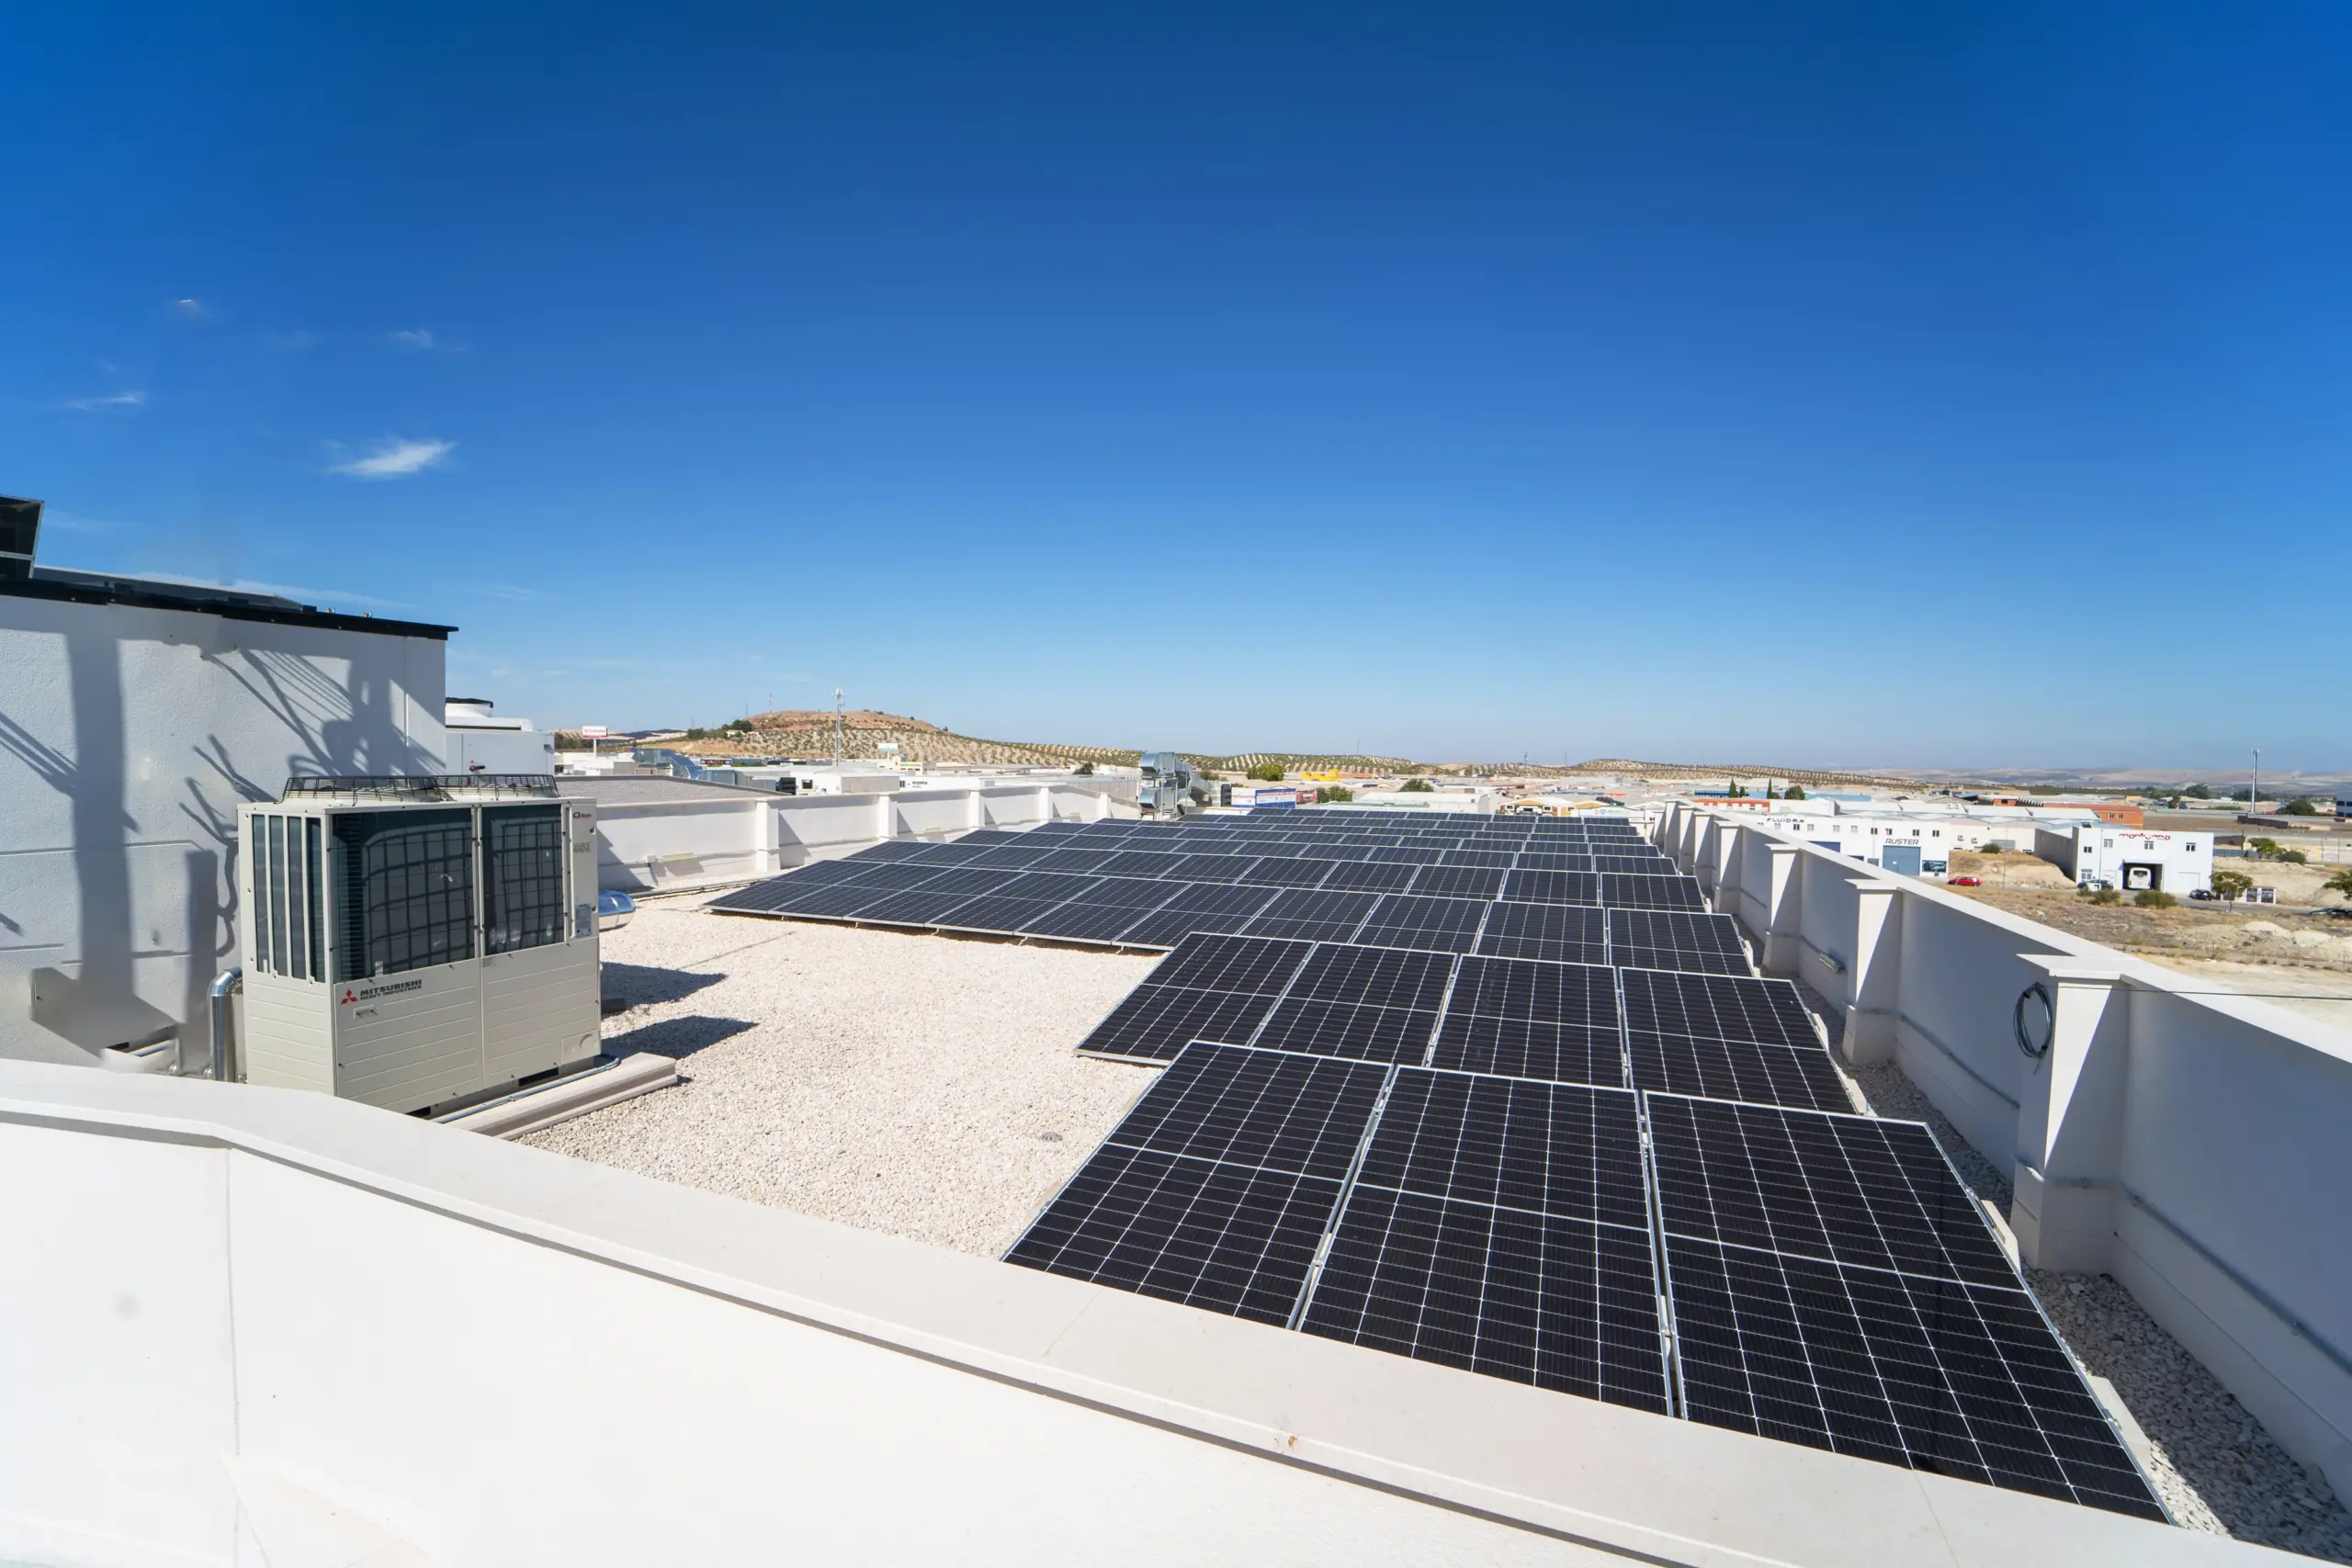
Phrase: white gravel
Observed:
(916, 1085)
(2214, 1466)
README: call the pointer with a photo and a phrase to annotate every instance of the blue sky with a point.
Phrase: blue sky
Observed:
(1844, 384)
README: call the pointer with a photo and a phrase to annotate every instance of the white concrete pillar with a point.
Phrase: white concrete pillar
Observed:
(2070, 1116)
(1783, 894)
(1874, 973)
(884, 816)
(1727, 852)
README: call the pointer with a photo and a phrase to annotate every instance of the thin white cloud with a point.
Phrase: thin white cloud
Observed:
(109, 401)
(396, 460)
(190, 310)
(419, 340)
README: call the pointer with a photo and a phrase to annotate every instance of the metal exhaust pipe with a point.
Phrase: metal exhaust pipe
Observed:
(228, 983)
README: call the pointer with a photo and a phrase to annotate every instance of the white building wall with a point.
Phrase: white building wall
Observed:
(128, 737)
(677, 845)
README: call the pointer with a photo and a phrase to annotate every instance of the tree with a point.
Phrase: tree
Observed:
(1416, 786)
(2235, 885)
(1334, 795)
(2340, 882)
(1795, 792)
(2197, 792)
(1083, 771)
(1736, 792)
(2264, 849)
(1271, 772)
(2299, 808)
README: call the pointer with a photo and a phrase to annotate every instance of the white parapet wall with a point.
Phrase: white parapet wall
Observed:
(250, 1326)
(2189, 1142)
(675, 845)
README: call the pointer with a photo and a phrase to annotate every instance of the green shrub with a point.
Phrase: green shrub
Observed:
(2340, 882)
(1334, 795)
(1795, 792)
(2237, 883)
(1271, 773)
(2197, 792)
(1416, 786)
(1988, 849)
(2265, 849)
(2292, 857)
(1083, 771)
(2149, 899)
(2299, 808)
(2106, 896)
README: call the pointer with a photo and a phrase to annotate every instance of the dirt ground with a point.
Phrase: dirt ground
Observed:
(2302, 959)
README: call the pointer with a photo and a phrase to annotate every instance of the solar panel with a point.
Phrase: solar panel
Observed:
(1102, 911)
(1543, 860)
(1675, 939)
(1155, 1022)
(1622, 892)
(1245, 964)
(1217, 1188)
(1567, 933)
(1370, 876)
(1210, 988)
(896, 849)
(1501, 1228)
(1833, 1284)
(1277, 871)
(1458, 882)
(1533, 1020)
(922, 907)
(1403, 920)
(1552, 887)
(1197, 908)
(987, 836)
(1077, 860)
(1726, 1037)
(1213, 868)
(1372, 1004)
(1313, 915)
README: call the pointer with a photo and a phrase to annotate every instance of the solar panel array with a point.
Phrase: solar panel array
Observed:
(1435, 883)
(1516, 1103)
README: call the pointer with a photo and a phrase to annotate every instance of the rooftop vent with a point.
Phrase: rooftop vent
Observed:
(19, 527)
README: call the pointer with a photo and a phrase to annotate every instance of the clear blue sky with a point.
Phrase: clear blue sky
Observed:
(1804, 384)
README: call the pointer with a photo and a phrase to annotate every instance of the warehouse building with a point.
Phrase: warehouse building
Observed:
(2135, 859)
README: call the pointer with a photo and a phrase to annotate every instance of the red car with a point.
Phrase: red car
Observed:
(1963, 882)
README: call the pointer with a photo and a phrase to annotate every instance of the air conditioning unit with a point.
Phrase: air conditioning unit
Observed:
(416, 942)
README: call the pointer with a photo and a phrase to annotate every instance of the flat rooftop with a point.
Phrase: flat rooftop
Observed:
(926, 1086)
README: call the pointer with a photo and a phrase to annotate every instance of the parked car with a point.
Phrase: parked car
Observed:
(1965, 882)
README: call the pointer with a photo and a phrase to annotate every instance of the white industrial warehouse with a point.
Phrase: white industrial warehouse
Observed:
(293, 1318)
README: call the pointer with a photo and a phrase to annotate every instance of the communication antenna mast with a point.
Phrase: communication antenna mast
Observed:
(837, 724)
(2253, 786)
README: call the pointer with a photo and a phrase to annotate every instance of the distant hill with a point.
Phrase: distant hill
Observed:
(808, 732)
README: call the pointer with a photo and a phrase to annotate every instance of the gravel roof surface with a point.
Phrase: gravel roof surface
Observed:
(917, 1085)
(2214, 1466)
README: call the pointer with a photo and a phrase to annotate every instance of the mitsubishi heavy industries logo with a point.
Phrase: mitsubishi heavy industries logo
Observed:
(370, 993)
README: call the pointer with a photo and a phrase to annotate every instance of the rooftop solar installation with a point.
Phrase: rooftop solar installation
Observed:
(1675, 939)
(1561, 932)
(1501, 1226)
(1622, 891)
(1313, 915)
(1526, 1018)
(1217, 1188)
(1833, 1285)
(1367, 1003)
(1444, 925)
(1552, 887)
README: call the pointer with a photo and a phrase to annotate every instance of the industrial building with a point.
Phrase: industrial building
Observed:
(2134, 859)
